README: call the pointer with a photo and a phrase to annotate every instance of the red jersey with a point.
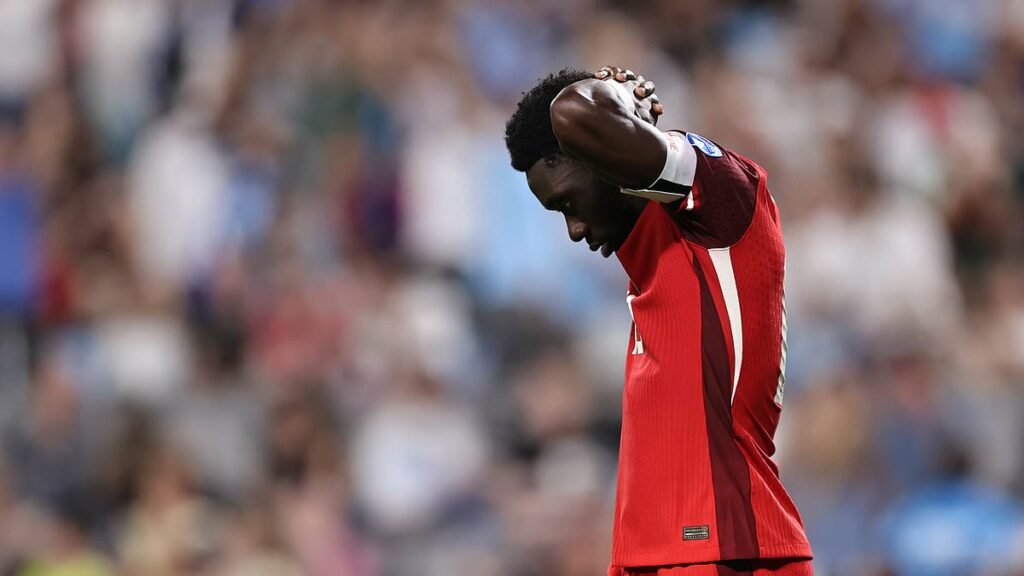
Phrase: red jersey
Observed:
(705, 373)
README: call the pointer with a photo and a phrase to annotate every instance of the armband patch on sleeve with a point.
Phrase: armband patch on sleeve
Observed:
(706, 146)
(676, 176)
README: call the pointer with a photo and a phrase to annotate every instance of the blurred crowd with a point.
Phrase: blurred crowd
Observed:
(272, 302)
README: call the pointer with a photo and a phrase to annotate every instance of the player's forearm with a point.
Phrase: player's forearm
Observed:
(595, 125)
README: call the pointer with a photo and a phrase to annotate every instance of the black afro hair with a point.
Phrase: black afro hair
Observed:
(528, 133)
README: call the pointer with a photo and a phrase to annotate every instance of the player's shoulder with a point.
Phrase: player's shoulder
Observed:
(723, 199)
(723, 157)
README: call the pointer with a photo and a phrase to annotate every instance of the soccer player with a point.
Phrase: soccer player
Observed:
(698, 235)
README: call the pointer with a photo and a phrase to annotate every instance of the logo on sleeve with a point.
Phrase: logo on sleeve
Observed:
(706, 146)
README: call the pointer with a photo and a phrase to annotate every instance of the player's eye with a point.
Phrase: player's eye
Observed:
(567, 207)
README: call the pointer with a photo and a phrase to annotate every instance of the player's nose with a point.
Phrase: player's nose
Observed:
(577, 229)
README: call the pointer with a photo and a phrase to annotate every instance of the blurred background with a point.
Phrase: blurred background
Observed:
(272, 302)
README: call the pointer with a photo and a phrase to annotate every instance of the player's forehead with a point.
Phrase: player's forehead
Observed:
(548, 182)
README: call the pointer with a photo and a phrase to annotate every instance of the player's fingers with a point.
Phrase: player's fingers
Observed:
(603, 73)
(625, 75)
(645, 89)
(648, 115)
(657, 109)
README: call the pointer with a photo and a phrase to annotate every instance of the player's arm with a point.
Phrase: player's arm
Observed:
(597, 123)
(608, 123)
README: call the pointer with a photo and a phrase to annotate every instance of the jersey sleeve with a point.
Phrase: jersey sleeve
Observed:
(709, 191)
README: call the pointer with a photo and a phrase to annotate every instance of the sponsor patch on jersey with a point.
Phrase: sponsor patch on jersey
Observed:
(706, 146)
(696, 532)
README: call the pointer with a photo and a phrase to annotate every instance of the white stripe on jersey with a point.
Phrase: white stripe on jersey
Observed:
(722, 261)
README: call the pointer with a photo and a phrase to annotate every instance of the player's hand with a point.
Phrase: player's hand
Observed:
(648, 107)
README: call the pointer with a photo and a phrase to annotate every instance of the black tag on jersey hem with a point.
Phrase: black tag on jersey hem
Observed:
(696, 532)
